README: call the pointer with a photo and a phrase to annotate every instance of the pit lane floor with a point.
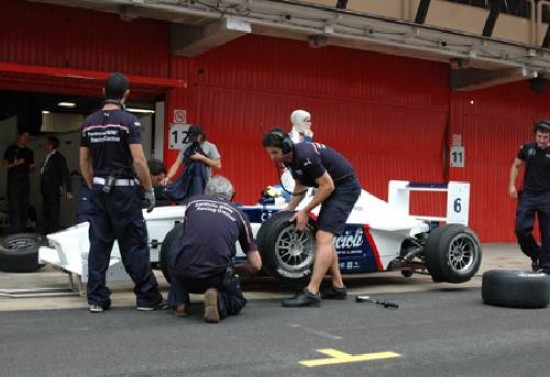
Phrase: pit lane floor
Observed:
(48, 288)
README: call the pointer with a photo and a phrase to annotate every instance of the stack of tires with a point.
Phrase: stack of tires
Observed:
(19, 252)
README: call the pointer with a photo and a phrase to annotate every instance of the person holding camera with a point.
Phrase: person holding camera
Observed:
(110, 153)
(534, 198)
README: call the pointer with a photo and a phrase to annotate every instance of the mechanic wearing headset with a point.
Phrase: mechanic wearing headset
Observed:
(200, 260)
(535, 196)
(317, 165)
(110, 152)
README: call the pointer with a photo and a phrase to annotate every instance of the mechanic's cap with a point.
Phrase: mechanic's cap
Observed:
(195, 130)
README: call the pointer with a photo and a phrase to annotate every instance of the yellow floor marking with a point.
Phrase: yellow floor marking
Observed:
(338, 357)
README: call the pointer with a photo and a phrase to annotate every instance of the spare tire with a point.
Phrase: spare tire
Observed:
(19, 252)
(453, 253)
(175, 233)
(287, 254)
(515, 289)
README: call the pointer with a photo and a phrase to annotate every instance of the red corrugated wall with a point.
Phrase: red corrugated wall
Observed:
(392, 117)
(494, 123)
(388, 115)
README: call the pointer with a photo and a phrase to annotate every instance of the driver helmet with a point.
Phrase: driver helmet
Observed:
(301, 120)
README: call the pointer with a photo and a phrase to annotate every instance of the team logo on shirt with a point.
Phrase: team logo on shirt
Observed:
(307, 162)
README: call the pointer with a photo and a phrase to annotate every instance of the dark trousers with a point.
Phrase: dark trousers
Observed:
(119, 215)
(51, 201)
(18, 203)
(231, 299)
(531, 204)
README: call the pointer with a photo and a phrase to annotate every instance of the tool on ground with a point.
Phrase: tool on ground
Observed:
(385, 304)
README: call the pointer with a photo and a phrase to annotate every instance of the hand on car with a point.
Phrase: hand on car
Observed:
(301, 219)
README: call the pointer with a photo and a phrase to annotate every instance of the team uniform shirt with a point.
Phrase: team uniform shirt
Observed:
(108, 134)
(15, 152)
(211, 228)
(537, 167)
(311, 160)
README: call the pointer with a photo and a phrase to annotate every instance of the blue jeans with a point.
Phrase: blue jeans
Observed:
(531, 204)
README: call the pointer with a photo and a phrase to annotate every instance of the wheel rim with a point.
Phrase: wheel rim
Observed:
(462, 253)
(21, 243)
(295, 250)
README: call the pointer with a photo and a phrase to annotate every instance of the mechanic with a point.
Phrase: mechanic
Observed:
(19, 161)
(158, 177)
(199, 157)
(200, 261)
(317, 165)
(300, 132)
(110, 152)
(534, 198)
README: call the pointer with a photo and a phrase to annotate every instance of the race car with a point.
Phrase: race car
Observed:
(379, 236)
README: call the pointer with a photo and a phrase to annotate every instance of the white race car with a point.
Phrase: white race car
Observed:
(379, 236)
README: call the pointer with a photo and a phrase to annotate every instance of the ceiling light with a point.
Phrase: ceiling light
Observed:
(67, 104)
(45, 112)
(143, 111)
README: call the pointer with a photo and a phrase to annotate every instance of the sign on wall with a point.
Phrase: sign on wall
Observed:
(180, 116)
(457, 157)
(178, 136)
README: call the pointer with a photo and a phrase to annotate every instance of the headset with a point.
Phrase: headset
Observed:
(286, 143)
(542, 125)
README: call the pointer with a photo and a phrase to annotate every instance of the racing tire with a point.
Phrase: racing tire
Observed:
(515, 289)
(287, 254)
(453, 253)
(19, 252)
(175, 233)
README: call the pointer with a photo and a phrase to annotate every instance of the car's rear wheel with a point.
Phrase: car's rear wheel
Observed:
(453, 253)
(287, 254)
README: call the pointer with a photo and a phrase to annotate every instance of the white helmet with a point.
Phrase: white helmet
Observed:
(298, 120)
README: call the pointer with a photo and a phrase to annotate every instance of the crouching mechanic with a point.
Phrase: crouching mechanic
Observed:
(319, 166)
(200, 261)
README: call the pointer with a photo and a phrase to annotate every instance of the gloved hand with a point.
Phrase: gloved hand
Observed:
(150, 199)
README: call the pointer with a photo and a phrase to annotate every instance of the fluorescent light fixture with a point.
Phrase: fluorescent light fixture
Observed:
(143, 111)
(45, 112)
(67, 104)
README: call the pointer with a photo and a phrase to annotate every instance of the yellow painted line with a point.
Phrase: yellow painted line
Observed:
(338, 357)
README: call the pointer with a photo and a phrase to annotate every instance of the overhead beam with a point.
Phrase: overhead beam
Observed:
(192, 41)
(474, 78)
(496, 8)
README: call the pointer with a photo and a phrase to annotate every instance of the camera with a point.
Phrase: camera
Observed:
(109, 183)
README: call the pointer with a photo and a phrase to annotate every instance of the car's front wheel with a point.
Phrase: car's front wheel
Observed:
(287, 254)
(453, 253)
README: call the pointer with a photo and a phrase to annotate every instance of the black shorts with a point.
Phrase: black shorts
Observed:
(336, 209)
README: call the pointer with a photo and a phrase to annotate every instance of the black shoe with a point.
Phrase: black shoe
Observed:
(303, 299)
(535, 264)
(96, 308)
(161, 305)
(334, 293)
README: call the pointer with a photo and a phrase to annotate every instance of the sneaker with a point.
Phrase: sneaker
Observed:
(211, 311)
(303, 299)
(95, 308)
(161, 305)
(334, 293)
(182, 310)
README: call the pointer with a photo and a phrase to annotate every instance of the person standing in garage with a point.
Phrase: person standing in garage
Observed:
(19, 161)
(201, 260)
(534, 198)
(54, 178)
(317, 165)
(110, 153)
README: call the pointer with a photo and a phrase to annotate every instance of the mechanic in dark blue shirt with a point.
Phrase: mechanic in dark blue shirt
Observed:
(317, 165)
(534, 199)
(110, 152)
(200, 261)
(19, 160)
